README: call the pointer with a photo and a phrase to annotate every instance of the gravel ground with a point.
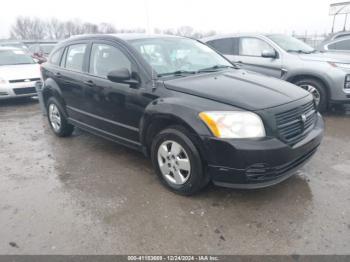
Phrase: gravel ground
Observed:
(86, 195)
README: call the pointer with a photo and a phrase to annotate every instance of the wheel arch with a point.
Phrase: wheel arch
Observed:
(297, 77)
(161, 116)
(51, 89)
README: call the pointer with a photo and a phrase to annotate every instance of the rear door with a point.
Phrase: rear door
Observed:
(250, 57)
(72, 76)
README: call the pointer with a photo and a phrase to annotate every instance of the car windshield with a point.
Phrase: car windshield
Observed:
(14, 57)
(179, 56)
(291, 44)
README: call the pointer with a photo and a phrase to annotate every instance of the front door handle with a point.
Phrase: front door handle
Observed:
(58, 75)
(90, 83)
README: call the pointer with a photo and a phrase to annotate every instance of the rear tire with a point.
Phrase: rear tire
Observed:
(318, 91)
(57, 119)
(177, 161)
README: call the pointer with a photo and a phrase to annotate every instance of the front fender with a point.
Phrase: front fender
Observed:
(174, 109)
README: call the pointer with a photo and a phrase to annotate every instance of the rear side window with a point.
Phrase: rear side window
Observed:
(226, 46)
(106, 58)
(55, 58)
(341, 45)
(253, 46)
(75, 57)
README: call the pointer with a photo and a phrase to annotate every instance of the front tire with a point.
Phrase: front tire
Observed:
(177, 161)
(317, 90)
(57, 119)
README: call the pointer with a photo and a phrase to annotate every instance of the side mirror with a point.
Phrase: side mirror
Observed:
(269, 54)
(122, 76)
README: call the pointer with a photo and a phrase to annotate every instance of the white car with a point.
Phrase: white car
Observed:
(18, 73)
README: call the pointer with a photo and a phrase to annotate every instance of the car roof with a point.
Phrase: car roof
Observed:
(336, 36)
(214, 37)
(5, 48)
(122, 36)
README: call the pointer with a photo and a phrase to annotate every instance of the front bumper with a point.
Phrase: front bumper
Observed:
(258, 163)
(14, 90)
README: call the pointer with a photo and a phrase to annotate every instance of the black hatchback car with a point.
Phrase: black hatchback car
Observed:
(175, 99)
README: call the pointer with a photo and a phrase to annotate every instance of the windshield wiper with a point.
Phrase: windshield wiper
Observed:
(301, 51)
(214, 68)
(177, 73)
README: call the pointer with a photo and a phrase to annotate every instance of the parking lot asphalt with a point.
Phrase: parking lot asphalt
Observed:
(86, 195)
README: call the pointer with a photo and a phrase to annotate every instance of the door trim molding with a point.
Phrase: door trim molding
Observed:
(72, 120)
(135, 129)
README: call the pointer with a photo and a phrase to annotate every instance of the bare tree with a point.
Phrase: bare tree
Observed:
(55, 29)
(37, 29)
(185, 31)
(28, 28)
(105, 28)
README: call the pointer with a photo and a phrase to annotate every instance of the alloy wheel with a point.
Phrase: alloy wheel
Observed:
(55, 117)
(174, 162)
(313, 91)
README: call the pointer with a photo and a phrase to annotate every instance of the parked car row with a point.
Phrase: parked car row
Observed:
(39, 50)
(210, 110)
(198, 116)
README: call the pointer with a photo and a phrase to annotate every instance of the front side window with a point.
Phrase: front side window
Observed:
(341, 45)
(226, 46)
(55, 59)
(106, 58)
(291, 44)
(175, 54)
(253, 46)
(75, 57)
(15, 57)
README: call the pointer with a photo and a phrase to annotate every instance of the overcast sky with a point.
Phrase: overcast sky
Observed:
(224, 16)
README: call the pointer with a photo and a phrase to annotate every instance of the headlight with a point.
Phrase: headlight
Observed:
(2, 81)
(234, 124)
(340, 65)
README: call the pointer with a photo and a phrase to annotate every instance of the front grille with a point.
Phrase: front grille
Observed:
(291, 126)
(24, 91)
(261, 172)
(24, 80)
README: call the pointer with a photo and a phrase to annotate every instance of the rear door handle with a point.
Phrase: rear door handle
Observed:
(58, 75)
(90, 83)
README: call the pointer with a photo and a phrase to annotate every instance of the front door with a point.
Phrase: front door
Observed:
(250, 57)
(115, 108)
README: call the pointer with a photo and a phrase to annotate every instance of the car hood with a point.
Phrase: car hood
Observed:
(239, 88)
(326, 57)
(14, 72)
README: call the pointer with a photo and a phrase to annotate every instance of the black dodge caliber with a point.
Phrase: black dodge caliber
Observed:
(196, 115)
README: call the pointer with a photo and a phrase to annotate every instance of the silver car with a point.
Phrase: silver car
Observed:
(325, 75)
(341, 45)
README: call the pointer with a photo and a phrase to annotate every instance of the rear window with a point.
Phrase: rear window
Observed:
(226, 46)
(75, 57)
(341, 45)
